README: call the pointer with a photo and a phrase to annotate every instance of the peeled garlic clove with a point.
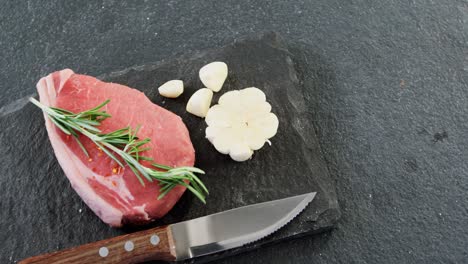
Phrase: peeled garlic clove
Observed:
(256, 111)
(240, 152)
(213, 75)
(253, 95)
(212, 132)
(254, 138)
(230, 98)
(171, 89)
(218, 116)
(200, 102)
(268, 124)
(223, 142)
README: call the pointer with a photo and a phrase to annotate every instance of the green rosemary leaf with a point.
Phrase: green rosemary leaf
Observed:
(135, 149)
(87, 126)
(91, 122)
(137, 174)
(60, 126)
(194, 184)
(160, 166)
(142, 142)
(137, 165)
(135, 132)
(112, 156)
(197, 180)
(81, 145)
(198, 194)
(99, 106)
(163, 193)
(145, 158)
(164, 186)
(116, 141)
(116, 133)
(192, 169)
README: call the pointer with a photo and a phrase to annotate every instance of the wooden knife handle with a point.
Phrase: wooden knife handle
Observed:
(152, 244)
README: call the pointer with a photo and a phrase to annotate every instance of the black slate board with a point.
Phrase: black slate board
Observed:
(41, 213)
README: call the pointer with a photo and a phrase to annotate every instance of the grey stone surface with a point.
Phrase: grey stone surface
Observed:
(294, 165)
(389, 80)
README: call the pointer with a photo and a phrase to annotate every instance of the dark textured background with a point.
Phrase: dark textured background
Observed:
(293, 166)
(391, 111)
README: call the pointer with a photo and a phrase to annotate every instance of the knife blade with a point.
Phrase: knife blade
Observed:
(188, 239)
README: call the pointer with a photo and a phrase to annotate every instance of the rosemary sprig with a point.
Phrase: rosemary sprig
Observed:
(123, 146)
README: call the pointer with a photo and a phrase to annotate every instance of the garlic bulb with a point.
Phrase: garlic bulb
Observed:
(240, 123)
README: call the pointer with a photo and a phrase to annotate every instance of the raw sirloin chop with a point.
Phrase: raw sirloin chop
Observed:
(114, 193)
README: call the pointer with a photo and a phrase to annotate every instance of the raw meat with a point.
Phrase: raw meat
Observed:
(114, 193)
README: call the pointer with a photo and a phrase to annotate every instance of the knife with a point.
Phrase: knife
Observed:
(189, 239)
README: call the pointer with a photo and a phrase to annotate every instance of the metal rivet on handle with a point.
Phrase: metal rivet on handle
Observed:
(103, 252)
(154, 240)
(129, 246)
